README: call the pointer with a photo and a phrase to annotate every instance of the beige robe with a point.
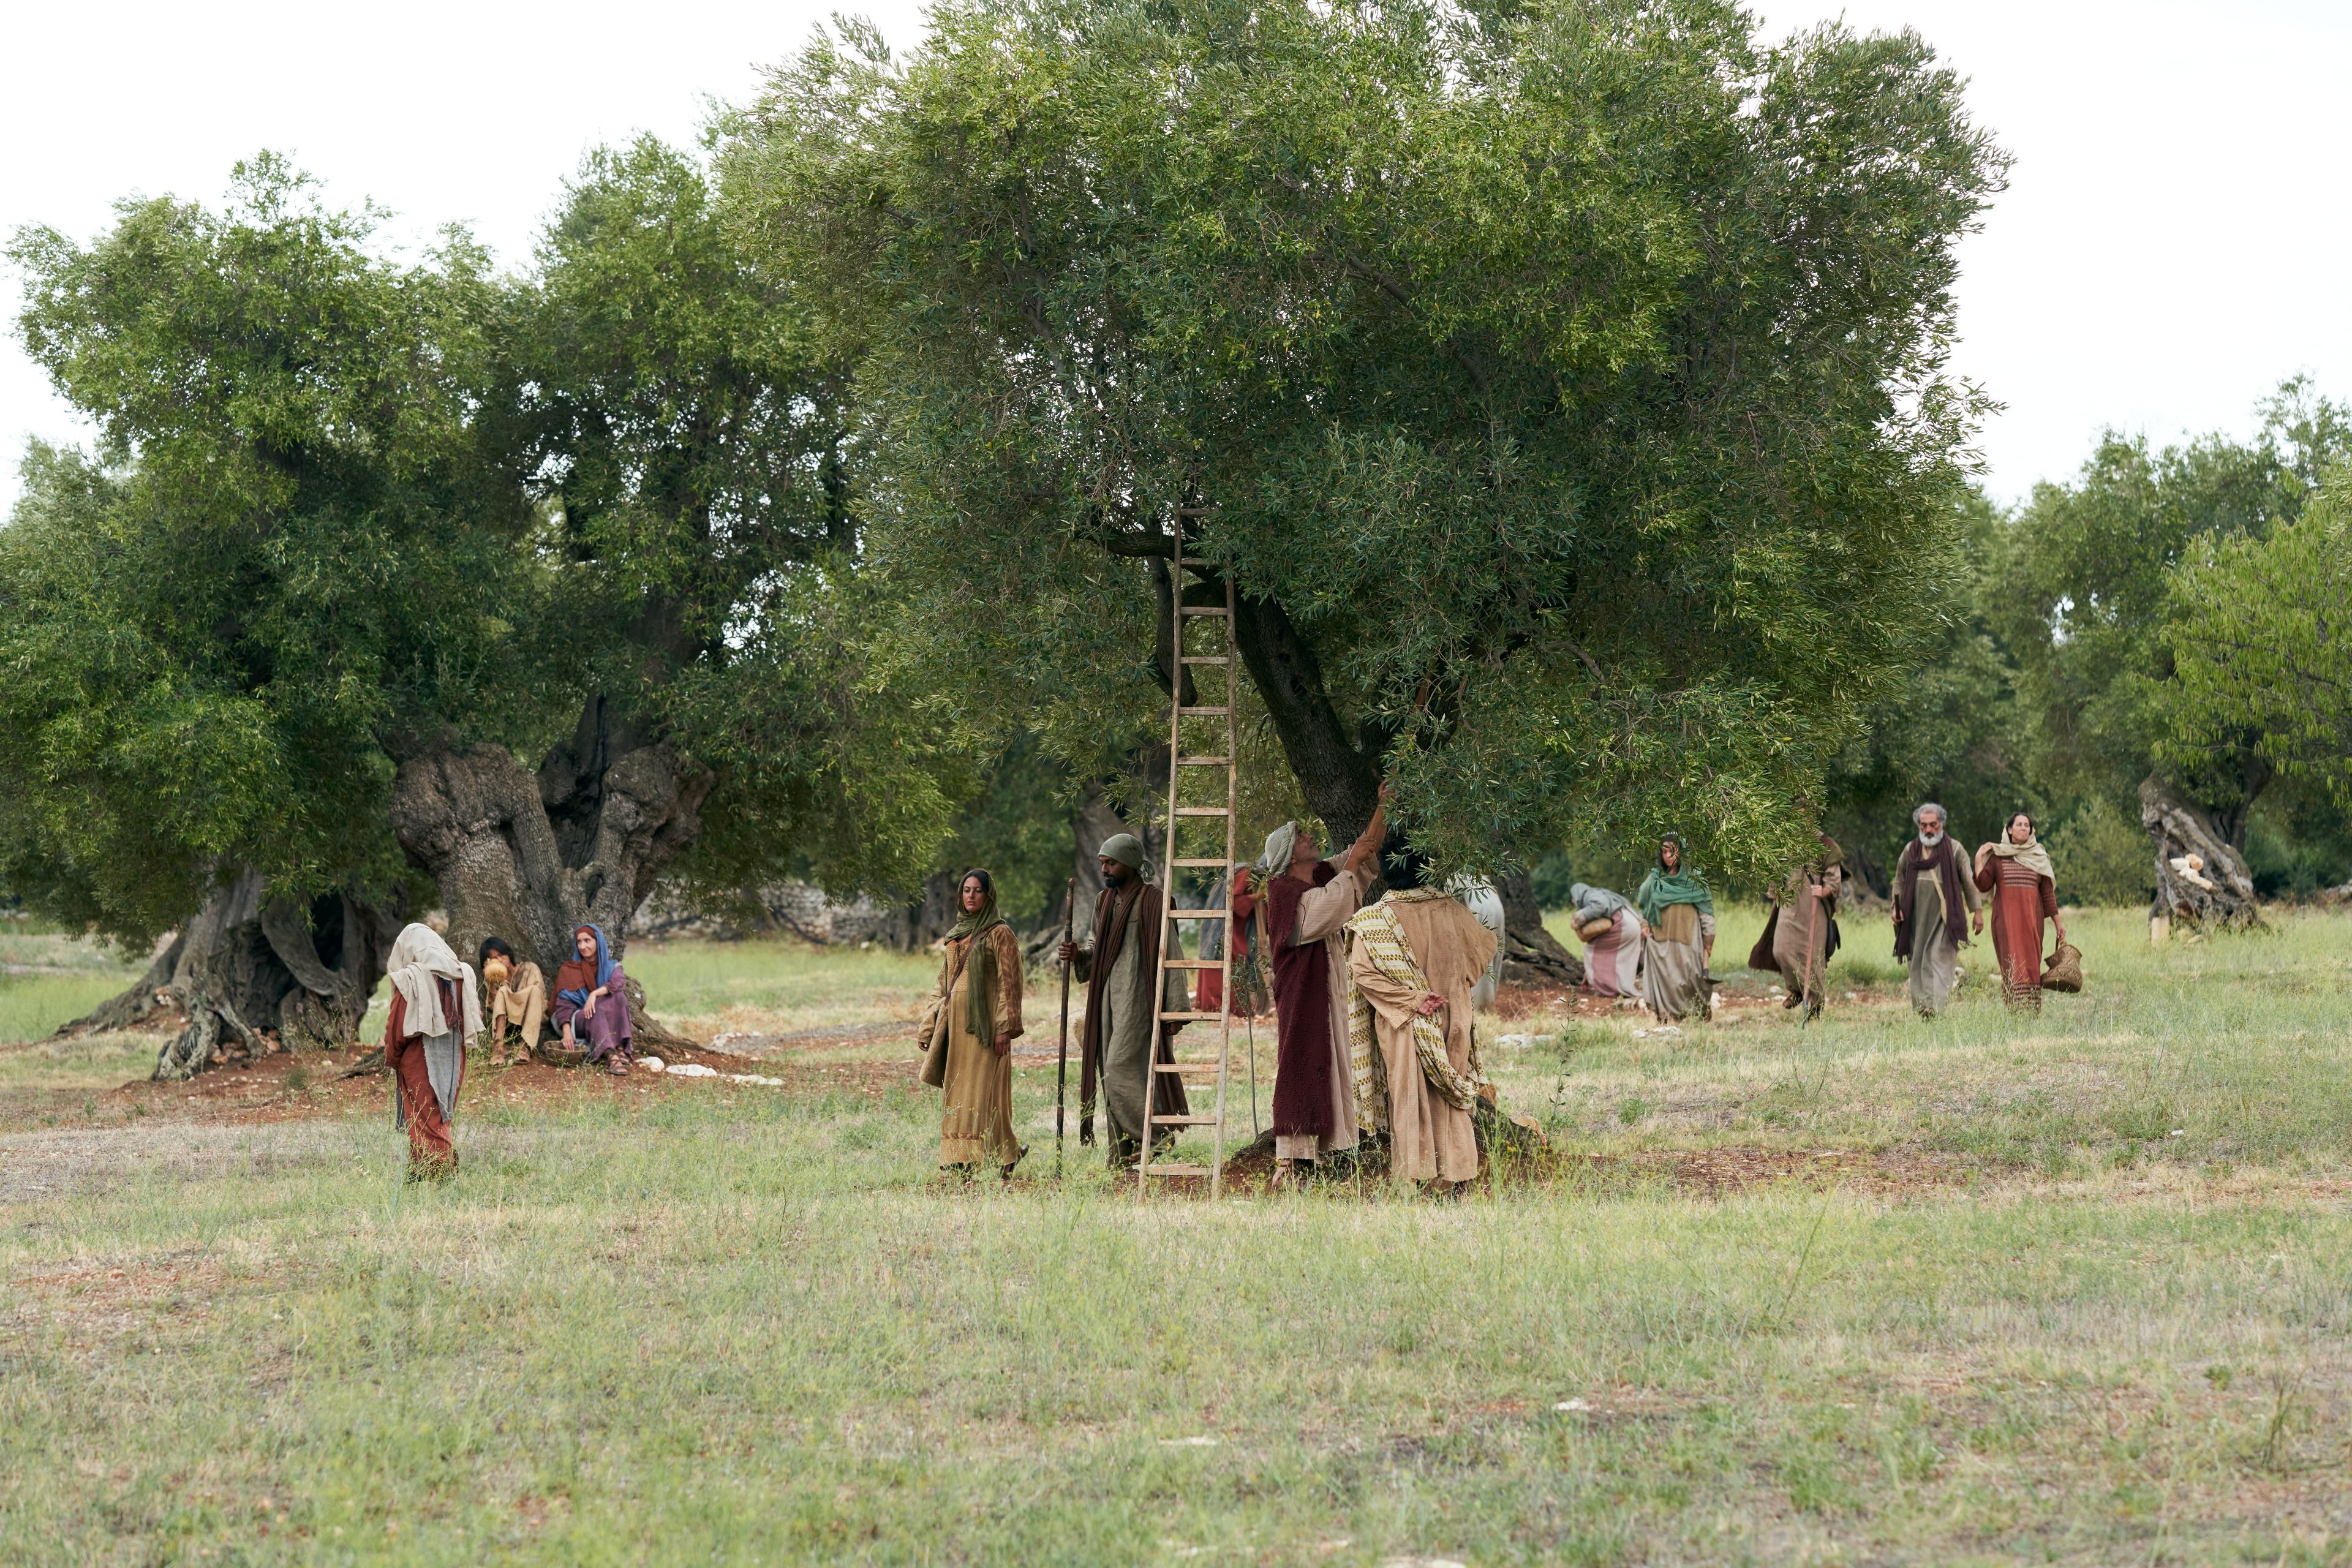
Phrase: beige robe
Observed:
(1934, 967)
(1428, 1139)
(523, 1001)
(1323, 914)
(1804, 932)
(976, 1102)
(1674, 963)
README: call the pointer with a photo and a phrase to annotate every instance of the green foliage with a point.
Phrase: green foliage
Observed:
(291, 547)
(2088, 591)
(2260, 644)
(347, 510)
(1555, 371)
(2101, 856)
(1949, 727)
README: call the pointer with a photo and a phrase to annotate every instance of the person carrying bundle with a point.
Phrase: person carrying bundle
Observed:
(1612, 934)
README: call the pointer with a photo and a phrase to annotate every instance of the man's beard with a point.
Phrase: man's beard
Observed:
(1117, 876)
(1929, 840)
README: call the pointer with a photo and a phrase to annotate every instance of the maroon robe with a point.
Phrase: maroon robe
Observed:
(1302, 1005)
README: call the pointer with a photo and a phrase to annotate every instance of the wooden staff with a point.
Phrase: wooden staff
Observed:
(1062, 1071)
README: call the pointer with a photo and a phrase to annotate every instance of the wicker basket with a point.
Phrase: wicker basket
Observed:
(1598, 926)
(2065, 970)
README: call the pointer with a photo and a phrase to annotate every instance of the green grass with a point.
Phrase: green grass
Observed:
(732, 1326)
(48, 979)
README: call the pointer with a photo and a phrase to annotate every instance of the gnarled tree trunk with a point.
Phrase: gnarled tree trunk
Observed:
(2218, 894)
(530, 859)
(245, 967)
(1531, 954)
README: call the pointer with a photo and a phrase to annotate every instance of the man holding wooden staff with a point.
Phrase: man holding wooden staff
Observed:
(1123, 1036)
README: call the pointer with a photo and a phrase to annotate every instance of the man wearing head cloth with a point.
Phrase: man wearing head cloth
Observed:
(1308, 901)
(1930, 889)
(1123, 1036)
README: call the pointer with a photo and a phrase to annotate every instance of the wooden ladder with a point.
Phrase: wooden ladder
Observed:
(1172, 859)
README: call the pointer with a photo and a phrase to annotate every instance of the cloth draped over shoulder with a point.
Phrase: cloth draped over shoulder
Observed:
(1134, 912)
(1944, 860)
(578, 977)
(1682, 885)
(2030, 855)
(1382, 941)
(981, 965)
(421, 958)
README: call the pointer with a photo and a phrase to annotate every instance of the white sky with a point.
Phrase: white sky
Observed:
(2172, 243)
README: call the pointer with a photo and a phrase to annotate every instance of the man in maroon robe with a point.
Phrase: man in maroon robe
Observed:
(1306, 901)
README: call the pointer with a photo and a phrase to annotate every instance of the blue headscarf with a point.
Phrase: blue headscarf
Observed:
(577, 995)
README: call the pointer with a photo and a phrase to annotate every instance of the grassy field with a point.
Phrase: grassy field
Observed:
(1985, 1289)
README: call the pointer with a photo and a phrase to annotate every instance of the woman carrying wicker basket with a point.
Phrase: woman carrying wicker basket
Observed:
(2023, 884)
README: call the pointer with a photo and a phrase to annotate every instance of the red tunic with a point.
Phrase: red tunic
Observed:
(2022, 899)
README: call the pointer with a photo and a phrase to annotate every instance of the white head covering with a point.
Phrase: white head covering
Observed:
(419, 955)
(1279, 844)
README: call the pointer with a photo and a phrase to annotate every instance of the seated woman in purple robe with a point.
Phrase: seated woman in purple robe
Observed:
(589, 999)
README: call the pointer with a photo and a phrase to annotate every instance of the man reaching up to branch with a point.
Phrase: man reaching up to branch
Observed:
(1307, 902)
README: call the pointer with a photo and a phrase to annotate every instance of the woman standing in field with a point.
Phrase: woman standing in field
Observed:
(1678, 935)
(2024, 887)
(1612, 954)
(981, 980)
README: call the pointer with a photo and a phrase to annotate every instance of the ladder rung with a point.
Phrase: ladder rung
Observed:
(1188, 1017)
(1203, 762)
(1198, 914)
(1212, 861)
(1206, 712)
(1192, 963)
(1200, 610)
(1203, 811)
(1185, 1120)
(1165, 1170)
(1206, 657)
(1183, 1067)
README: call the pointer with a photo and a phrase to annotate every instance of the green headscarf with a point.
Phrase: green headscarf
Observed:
(1681, 886)
(980, 959)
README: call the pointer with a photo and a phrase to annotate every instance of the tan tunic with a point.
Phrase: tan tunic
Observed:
(1428, 1139)
(1674, 963)
(976, 1110)
(1322, 914)
(1803, 934)
(523, 1001)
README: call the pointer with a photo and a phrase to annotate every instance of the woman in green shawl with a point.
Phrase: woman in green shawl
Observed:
(981, 986)
(1678, 938)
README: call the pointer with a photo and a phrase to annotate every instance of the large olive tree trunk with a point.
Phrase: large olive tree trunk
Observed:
(2200, 879)
(245, 965)
(531, 859)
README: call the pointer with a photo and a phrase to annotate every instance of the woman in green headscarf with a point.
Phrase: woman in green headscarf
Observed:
(980, 987)
(1678, 938)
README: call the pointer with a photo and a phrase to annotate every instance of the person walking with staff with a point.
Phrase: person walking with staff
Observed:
(1803, 934)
